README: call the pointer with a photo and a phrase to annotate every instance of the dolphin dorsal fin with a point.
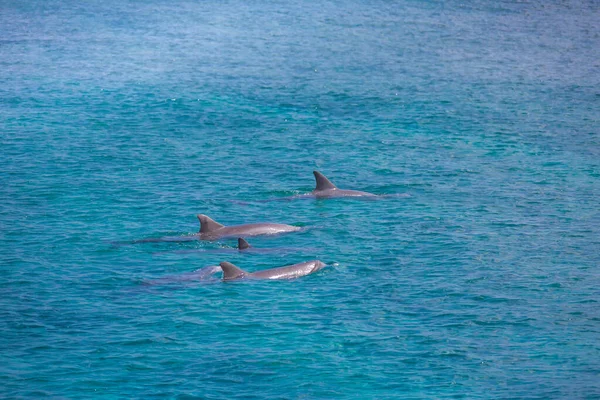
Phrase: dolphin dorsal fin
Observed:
(230, 271)
(242, 244)
(322, 182)
(207, 224)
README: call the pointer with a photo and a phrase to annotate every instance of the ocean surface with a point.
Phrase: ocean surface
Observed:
(477, 277)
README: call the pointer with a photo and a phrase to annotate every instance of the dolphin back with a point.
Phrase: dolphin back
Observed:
(289, 272)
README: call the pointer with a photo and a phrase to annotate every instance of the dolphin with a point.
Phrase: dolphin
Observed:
(326, 189)
(212, 230)
(202, 274)
(244, 247)
(231, 272)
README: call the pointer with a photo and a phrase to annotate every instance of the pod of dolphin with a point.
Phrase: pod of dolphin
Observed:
(212, 230)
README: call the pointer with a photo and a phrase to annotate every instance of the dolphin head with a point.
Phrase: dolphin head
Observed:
(319, 265)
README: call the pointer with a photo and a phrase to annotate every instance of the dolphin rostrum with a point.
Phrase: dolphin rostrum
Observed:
(326, 189)
(212, 230)
(231, 272)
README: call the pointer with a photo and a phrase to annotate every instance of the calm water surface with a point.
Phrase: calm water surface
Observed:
(123, 120)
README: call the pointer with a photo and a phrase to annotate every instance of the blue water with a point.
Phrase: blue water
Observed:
(122, 120)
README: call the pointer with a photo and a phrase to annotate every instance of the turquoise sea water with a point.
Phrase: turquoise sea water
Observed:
(123, 120)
